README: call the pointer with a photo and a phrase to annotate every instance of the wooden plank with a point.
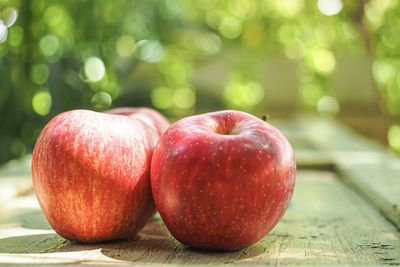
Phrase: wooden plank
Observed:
(309, 159)
(371, 171)
(308, 152)
(15, 178)
(330, 224)
(328, 135)
(327, 223)
(364, 165)
(380, 184)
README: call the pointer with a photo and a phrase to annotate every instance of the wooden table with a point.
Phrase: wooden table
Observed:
(345, 210)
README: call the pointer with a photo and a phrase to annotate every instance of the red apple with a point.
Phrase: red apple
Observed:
(91, 175)
(222, 180)
(148, 115)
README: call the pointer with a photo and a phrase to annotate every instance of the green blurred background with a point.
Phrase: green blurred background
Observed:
(279, 57)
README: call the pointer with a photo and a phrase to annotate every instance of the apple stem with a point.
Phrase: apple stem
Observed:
(265, 117)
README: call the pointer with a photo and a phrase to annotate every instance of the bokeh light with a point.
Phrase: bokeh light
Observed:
(289, 8)
(394, 137)
(184, 98)
(125, 46)
(3, 32)
(101, 100)
(161, 97)
(10, 16)
(384, 71)
(328, 105)
(53, 15)
(230, 27)
(7, 19)
(49, 44)
(41, 102)
(375, 11)
(281, 57)
(15, 36)
(323, 61)
(94, 69)
(39, 73)
(330, 7)
(150, 51)
(242, 93)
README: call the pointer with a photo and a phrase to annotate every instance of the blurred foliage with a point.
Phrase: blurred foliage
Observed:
(60, 55)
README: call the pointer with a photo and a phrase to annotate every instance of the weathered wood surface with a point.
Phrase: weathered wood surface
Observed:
(15, 178)
(327, 223)
(363, 164)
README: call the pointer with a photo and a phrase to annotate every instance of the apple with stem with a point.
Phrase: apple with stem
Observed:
(91, 175)
(148, 115)
(222, 180)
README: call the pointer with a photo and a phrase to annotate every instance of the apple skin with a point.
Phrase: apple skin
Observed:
(222, 180)
(150, 116)
(91, 175)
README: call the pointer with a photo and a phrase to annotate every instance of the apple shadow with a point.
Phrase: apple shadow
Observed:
(27, 218)
(41, 243)
(33, 219)
(155, 245)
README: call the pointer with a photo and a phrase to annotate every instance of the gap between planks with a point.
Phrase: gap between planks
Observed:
(364, 165)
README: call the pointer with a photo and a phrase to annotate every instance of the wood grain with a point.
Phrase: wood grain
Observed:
(327, 223)
(379, 184)
(364, 165)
